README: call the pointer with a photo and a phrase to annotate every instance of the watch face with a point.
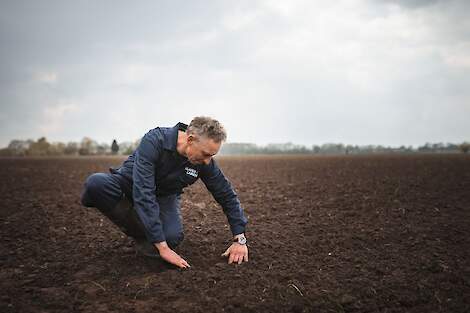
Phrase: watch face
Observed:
(242, 240)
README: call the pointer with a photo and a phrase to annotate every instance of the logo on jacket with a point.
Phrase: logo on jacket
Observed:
(191, 171)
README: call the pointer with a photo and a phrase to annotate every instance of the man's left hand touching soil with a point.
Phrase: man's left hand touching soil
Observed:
(237, 253)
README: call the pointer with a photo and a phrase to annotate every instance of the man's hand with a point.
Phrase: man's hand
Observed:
(171, 256)
(236, 253)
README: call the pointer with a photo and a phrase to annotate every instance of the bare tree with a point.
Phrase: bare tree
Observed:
(114, 147)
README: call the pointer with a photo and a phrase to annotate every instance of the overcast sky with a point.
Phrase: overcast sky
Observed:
(309, 72)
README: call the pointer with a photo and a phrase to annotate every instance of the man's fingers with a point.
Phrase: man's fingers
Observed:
(172, 257)
(237, 258)
(186, 263)
(226, 252)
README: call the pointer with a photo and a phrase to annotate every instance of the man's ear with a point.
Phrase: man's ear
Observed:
(191, 139)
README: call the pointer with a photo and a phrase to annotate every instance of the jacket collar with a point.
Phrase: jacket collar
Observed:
(171, 139)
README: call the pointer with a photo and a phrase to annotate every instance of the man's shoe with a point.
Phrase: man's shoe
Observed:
(147, 249)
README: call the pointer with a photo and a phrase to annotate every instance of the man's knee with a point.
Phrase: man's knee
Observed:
(91, 189)
(173, 240)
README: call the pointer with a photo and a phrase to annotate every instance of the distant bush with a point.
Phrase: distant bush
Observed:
(465, 147)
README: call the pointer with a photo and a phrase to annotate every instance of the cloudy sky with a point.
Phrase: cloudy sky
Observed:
(309, 72)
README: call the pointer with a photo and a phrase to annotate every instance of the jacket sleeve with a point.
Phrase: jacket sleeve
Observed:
(143, 189)
(222, 191)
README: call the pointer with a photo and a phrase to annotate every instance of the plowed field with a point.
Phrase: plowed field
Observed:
(326, 234)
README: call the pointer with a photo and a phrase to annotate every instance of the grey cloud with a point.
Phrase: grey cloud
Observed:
(137, 65)
(413, 4)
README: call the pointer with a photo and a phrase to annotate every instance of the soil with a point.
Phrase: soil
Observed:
(383, 233)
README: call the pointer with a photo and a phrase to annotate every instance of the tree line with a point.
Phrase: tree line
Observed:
(88, 146)
(339, 148)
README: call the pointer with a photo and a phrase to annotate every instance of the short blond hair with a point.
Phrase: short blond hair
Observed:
(207, 127)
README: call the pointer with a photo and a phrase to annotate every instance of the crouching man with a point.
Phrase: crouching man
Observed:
(143, 196)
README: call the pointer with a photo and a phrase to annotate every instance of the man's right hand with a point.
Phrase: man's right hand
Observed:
(171, 256)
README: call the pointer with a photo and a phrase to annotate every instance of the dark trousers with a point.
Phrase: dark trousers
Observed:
(105, 192)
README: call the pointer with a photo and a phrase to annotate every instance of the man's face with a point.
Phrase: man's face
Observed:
(201, 150)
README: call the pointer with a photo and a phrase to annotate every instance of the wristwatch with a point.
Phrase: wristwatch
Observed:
(241, 239)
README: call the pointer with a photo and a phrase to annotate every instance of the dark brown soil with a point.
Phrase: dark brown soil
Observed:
(326, 234)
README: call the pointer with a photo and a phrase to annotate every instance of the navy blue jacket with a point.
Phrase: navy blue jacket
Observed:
(155, 168)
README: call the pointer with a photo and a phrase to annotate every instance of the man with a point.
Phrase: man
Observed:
(143, 196)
